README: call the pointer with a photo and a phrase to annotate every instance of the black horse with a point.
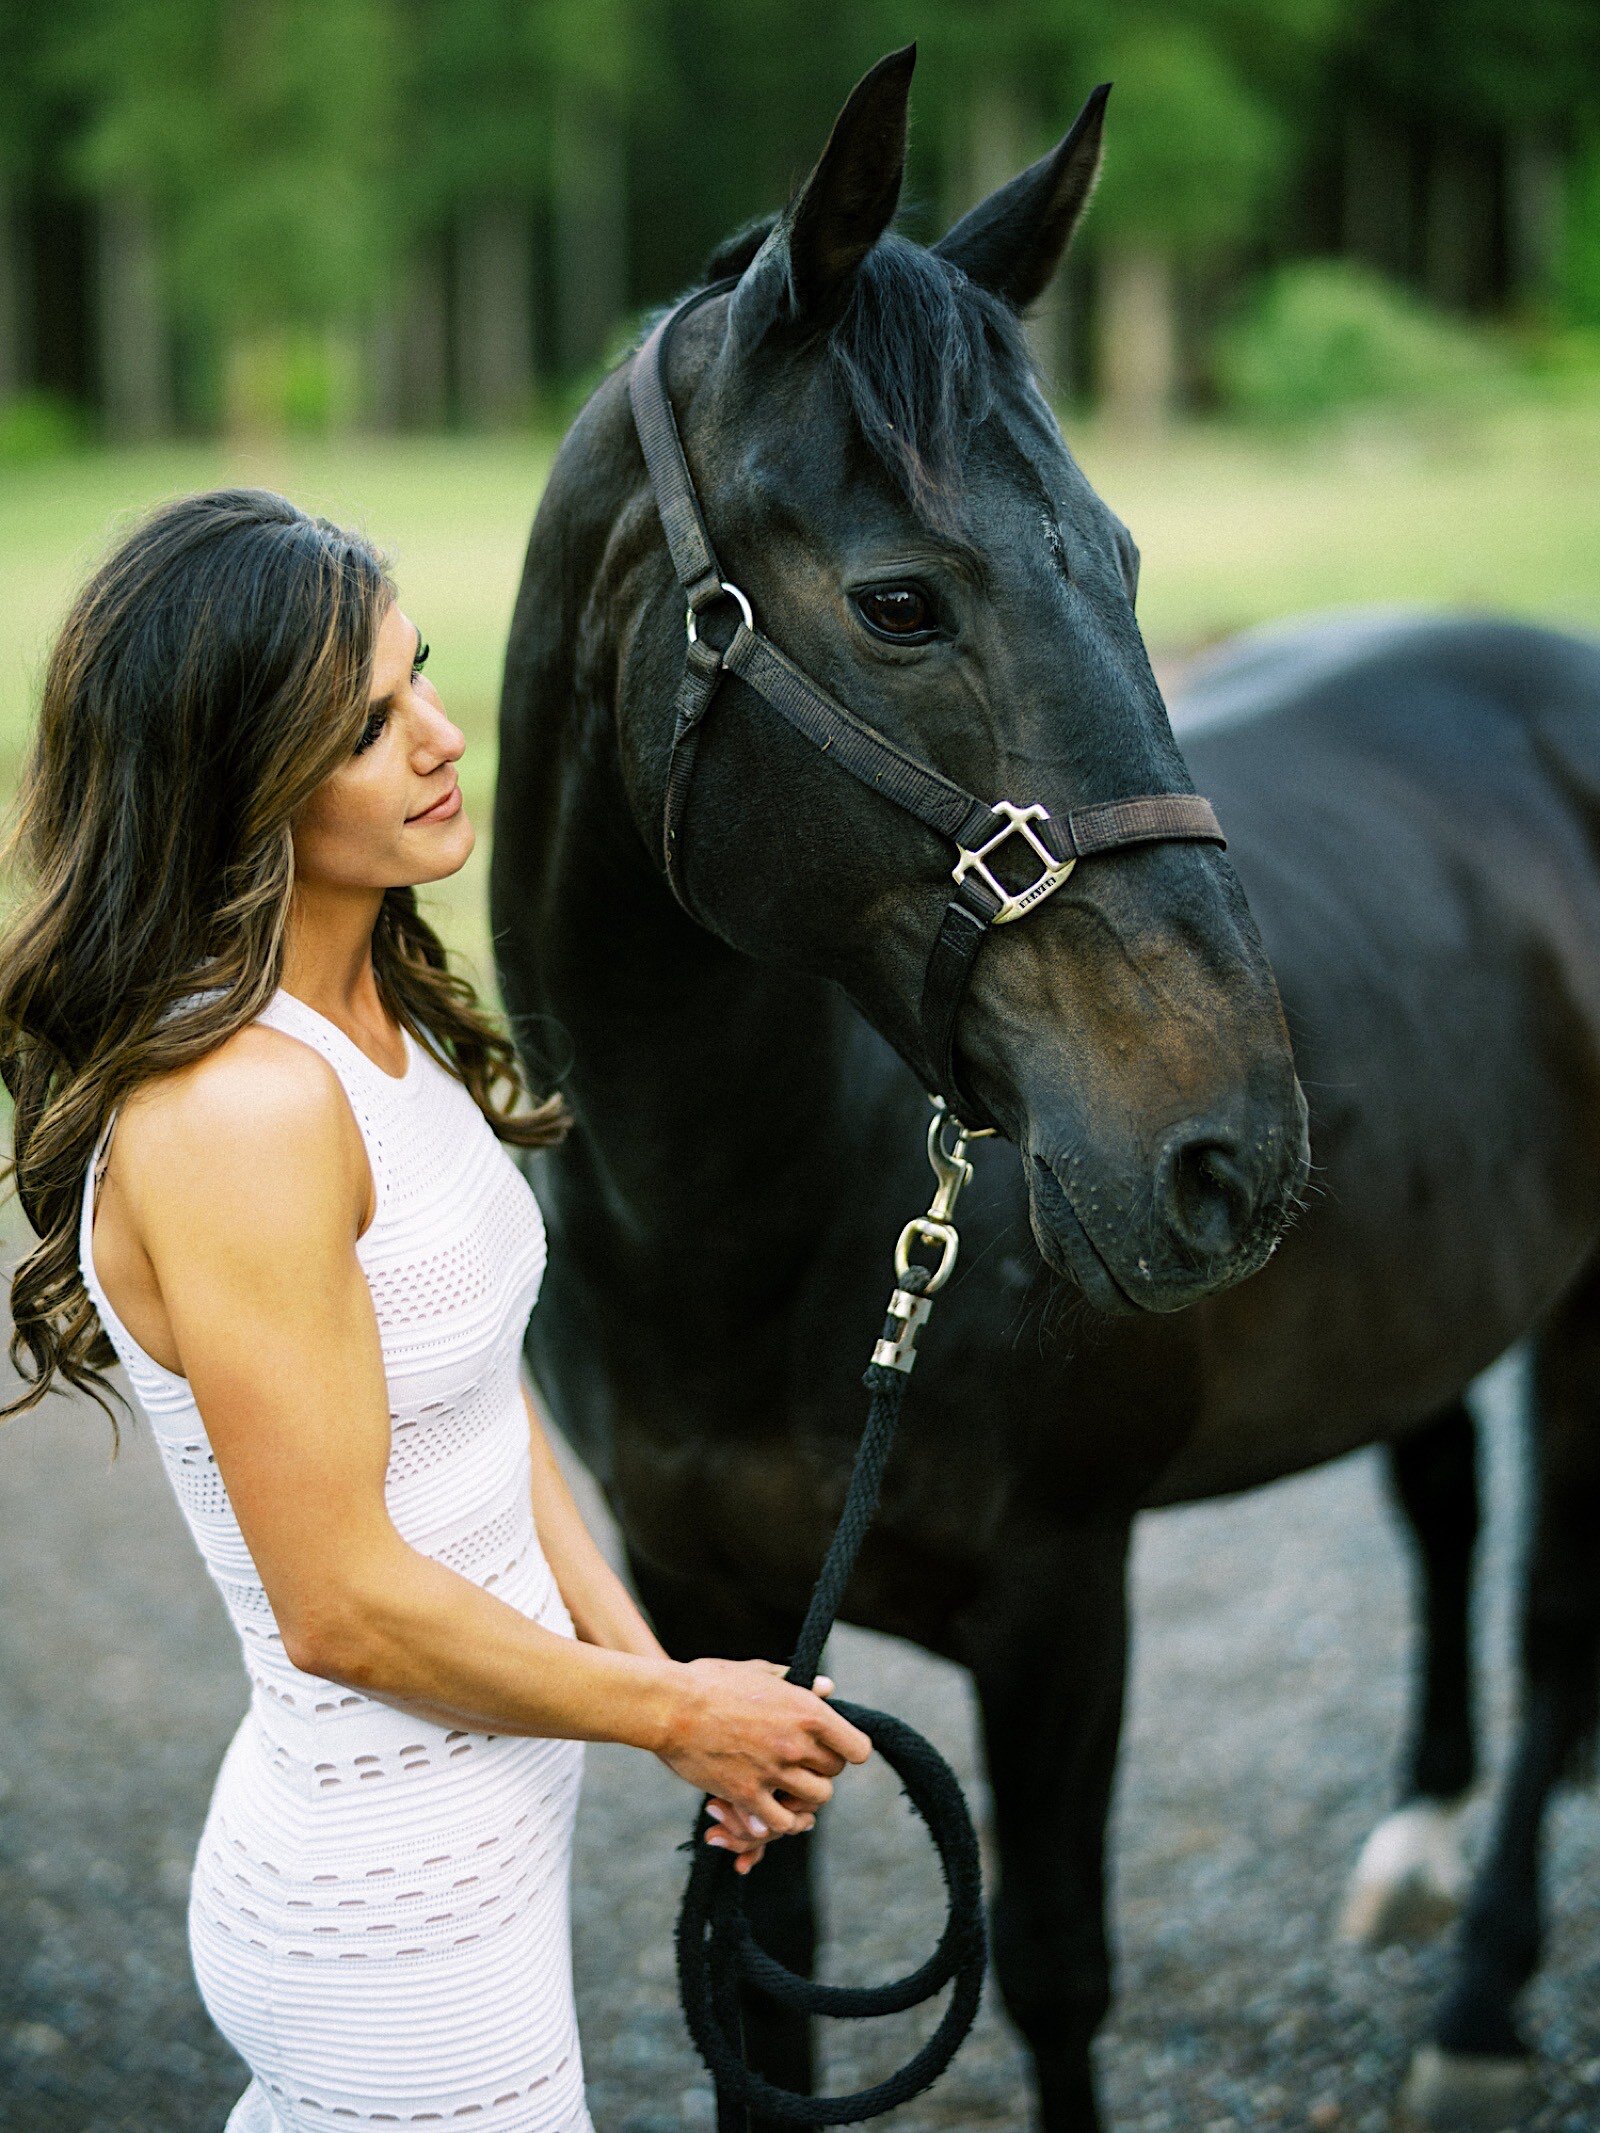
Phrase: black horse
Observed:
(1412, 812)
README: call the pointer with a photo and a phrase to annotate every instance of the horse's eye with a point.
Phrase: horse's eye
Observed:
(899, 611)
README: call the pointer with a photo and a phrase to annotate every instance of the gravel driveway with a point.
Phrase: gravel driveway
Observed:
(1268, 1686)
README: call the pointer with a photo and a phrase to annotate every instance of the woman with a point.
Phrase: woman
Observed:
(308, 1247)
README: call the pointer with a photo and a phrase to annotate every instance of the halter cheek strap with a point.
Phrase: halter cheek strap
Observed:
(979, 831)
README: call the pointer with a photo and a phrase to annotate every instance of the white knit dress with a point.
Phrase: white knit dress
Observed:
(378, 1912)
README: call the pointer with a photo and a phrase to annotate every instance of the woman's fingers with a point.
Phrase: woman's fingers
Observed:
(746, 1835)
(804, 1788)
(834, 1732)
(732, 1820)
(737, 1830)
(720, 1841)
(779, 1821)
(822, 1760)
(749, 1849)
(822, 1686)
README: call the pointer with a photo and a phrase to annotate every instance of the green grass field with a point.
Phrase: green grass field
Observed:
(1234, 527)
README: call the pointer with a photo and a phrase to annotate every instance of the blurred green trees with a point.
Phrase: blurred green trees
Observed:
(1329, 335)
(1202, 129)
(252, 213)
(238, 157)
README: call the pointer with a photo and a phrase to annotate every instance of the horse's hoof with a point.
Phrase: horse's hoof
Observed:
(1410, 1878)
(1457, 2092)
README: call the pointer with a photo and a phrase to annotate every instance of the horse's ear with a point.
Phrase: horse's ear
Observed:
(1013, 242)
(803, 272)
(735, 253)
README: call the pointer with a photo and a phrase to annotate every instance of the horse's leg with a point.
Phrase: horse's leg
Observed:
(1412, 1874)
(779, 1899)
(1476, 2072)
(1048, 1658)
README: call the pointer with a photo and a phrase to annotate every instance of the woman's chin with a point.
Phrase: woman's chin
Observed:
(451, 854)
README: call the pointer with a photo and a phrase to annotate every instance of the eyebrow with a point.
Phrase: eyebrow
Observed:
(929, 544)
(963, 557)
(386, 703)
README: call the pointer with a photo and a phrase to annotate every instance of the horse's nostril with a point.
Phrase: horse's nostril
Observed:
(1206, 1197)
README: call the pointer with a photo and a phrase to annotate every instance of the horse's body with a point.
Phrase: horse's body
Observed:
(1414, 810)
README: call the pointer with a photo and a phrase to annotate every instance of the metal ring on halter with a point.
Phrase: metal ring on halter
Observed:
(733, 593)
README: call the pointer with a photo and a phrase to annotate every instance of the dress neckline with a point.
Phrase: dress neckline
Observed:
(412, 1049)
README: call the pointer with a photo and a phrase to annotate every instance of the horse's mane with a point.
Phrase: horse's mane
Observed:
(917, 352)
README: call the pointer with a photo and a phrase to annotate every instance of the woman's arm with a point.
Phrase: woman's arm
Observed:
(247, 1180)
(603, 1610)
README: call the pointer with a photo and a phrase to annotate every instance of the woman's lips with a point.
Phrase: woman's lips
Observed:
(441, 810)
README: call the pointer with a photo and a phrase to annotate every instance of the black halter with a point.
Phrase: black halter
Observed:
(976, 829)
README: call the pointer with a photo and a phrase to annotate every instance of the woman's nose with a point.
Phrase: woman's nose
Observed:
(445, 739)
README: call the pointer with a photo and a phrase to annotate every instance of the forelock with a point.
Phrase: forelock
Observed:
(921, 353)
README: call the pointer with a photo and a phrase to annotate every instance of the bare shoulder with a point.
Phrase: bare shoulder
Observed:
(259, 1131)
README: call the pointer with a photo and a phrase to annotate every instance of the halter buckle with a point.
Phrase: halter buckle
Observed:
(733, 593)
(1014, 905)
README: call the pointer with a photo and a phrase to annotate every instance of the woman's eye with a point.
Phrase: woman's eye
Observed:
(899, 611)
(370, 731)
(375, 724)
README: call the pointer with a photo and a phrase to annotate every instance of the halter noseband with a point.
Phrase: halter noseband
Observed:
(977, 830)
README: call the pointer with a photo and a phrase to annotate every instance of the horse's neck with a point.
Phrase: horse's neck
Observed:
(707, 1083)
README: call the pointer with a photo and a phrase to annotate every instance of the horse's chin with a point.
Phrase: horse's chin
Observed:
(1067, 1248)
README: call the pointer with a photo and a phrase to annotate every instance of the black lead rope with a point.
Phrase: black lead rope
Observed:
(717, 1951)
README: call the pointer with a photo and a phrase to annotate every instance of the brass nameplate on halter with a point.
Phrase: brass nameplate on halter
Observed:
(1013, 905)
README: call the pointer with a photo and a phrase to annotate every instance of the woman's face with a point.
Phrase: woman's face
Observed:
(393, 814)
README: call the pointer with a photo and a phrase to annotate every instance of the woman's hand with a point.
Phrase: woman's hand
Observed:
(765, 1750)
(734, 1832)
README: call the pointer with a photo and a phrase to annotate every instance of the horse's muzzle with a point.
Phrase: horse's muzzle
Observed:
(1216, 1202)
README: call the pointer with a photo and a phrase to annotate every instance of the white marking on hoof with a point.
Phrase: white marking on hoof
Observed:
(1456, 2092)
(1410, 1878)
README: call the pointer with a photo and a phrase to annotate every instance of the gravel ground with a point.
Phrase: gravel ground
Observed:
(1267, 1699)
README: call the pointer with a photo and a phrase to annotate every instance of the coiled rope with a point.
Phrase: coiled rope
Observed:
(716, 1948)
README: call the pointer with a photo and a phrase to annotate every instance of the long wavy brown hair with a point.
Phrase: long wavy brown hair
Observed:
(212, 672)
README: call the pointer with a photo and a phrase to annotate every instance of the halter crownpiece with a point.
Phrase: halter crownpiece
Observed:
(1055, 843)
